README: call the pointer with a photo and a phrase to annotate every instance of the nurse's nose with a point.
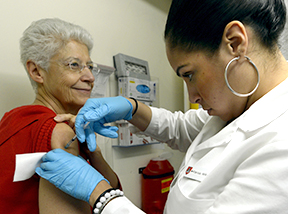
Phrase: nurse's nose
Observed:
(194, 96)
(195, 100)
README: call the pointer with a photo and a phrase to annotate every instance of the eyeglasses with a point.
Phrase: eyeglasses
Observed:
(78, 67)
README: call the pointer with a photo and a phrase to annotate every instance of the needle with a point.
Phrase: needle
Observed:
(71, 141)
(75, 137)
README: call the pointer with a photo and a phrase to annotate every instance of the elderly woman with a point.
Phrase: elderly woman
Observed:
(56, 56)
(236, 146)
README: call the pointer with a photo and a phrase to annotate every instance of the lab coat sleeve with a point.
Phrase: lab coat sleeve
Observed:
(259, 185)
(121, 205)
(177, 129)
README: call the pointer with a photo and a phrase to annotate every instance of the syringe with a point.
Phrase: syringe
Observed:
(75, 137)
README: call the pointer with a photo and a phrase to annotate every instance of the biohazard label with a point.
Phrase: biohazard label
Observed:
(165, 185)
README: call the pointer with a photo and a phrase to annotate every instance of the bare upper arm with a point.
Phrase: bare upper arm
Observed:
(52, 199)
(61, 135)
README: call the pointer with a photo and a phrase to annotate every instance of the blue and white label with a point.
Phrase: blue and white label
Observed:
(144, 89)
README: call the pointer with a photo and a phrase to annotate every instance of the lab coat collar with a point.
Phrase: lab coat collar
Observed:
(261, 113)
(210, 131)
(266, 109)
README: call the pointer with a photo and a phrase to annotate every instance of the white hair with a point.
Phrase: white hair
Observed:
(45, 37)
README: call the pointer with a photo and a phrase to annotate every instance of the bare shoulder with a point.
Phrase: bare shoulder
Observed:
(61, 135)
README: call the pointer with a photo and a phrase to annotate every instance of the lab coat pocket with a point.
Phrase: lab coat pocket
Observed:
(200, 206)
(177, 202)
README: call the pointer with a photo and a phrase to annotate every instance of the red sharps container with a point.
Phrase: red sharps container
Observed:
(156, 180)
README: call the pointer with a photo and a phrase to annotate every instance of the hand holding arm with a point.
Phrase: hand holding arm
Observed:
(96, 159)
(77, 178)
(69, 118)
(70, 173)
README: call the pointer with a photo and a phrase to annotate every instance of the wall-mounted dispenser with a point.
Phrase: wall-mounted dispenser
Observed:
(101, 82)
(133, 81)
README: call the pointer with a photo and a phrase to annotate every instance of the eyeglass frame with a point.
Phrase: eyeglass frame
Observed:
(81, 67)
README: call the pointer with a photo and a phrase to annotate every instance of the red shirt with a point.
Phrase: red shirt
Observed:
(26, 129)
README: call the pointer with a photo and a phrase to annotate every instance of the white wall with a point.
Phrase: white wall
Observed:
(132, 27)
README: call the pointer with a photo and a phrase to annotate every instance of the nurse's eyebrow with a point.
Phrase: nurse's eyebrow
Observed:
(178, 70)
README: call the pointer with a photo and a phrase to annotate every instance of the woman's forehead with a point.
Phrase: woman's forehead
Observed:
(73, 50)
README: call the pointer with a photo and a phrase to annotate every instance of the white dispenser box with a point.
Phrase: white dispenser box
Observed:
(127, 138)
(140, 89)
(134, 81)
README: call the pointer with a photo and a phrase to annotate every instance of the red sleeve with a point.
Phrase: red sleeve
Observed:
(43, 141)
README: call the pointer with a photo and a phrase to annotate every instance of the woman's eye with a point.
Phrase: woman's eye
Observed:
(74, 65)
(90, 67)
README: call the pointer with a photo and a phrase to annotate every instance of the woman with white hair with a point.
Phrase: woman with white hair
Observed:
(56, 56)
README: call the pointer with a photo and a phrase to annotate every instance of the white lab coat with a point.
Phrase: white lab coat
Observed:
(238, 168)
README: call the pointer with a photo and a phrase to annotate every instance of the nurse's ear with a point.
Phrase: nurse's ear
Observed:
(235, 39)
(34, 71)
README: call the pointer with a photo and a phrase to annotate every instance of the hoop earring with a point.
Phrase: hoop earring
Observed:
(227, 83)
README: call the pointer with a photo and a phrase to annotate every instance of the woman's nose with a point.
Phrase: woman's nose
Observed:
(87, 75)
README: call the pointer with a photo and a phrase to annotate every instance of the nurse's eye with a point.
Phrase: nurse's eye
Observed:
(189, 76)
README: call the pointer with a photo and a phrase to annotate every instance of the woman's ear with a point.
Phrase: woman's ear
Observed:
(235, 38)
(34, 71)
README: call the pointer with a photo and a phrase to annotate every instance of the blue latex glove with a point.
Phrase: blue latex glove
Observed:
(99, 111)
(69, 173)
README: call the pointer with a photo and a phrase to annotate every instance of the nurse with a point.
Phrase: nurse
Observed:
(236, 146)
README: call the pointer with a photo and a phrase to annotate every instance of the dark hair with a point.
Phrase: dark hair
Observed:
(199, 24)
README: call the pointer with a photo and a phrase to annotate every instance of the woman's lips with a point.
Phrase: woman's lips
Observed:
(83, 90)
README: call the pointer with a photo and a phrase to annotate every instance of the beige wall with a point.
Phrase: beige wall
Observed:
(132, 27)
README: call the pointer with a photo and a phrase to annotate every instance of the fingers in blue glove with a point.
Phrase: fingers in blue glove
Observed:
(100, 111)
(51, 161)
(69, 173)
(107, 131)
(97, 113)
(90, 139)
(54, 154)
(79, 125)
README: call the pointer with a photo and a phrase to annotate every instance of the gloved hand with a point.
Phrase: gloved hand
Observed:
(69, 173)
(100, 111)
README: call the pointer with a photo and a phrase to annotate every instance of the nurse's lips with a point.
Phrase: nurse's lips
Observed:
(208, 110)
